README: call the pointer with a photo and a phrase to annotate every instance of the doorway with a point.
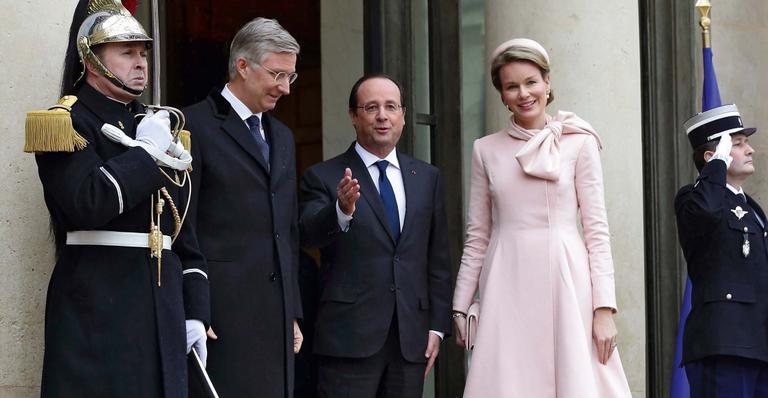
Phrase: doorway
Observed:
(197, 37)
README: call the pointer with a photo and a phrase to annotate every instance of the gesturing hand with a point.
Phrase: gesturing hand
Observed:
(347, 192)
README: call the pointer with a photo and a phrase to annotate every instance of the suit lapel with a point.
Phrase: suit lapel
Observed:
(368, 189)
(236, 128)
(277, 137)
(411, 184)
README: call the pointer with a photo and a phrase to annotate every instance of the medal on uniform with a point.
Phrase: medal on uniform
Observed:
(745, 245)
(739, 212)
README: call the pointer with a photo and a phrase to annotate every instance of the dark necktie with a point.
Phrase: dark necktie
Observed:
(253, 125)
(387, 195)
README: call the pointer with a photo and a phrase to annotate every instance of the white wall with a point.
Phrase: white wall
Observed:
(595, 54)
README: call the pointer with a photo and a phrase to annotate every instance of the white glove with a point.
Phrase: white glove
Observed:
(176, 149)
(155, 129)
(196, 338)
(723, 150)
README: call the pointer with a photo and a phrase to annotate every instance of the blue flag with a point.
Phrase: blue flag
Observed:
(710, 95)
(710, 98)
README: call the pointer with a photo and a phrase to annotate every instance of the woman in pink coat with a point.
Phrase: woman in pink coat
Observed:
(546, 294)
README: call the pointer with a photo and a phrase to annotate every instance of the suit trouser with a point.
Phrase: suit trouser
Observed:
(727, 377)
(385, 374)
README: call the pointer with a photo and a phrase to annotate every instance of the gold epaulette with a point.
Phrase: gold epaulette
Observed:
(51, 130)
(186, 139)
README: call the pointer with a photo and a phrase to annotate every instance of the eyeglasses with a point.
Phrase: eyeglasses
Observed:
(375, 108)
(280, 76)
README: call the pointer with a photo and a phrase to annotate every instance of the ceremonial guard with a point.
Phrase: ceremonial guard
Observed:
(723, 236)
(129, 286)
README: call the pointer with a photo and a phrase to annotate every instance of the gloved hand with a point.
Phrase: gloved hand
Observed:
(155, 129)
(176, 149)
(723, 150)
(196, 338)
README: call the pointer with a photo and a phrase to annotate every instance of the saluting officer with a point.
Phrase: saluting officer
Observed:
(124, 286)
(723, 236)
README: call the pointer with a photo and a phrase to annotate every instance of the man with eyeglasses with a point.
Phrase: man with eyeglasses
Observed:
(378, 218)
(245, 213)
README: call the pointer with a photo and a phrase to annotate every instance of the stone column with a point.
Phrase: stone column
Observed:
(33, 44)
(342, 45)
(595, 57)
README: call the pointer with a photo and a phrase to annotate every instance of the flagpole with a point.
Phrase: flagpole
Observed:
(704, 6)
(155, 53)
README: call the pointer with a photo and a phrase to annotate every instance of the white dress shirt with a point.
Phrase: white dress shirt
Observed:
(394, 175)
(241, 109)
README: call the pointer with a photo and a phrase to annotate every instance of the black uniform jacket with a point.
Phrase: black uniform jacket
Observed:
(110, 331)
(246, 221)
(729, 314)
(367, 277)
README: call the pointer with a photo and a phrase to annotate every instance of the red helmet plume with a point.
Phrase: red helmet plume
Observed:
(131, 5)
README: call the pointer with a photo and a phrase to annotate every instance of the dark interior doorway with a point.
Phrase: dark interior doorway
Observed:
(197, 38)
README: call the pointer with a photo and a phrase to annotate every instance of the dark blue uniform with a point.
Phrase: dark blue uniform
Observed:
(110, 331)
(725, 250)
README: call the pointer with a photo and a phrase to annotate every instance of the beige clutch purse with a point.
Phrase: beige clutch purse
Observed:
(473, 316)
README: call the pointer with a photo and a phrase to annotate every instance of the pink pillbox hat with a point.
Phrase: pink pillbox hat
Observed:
(520, 42)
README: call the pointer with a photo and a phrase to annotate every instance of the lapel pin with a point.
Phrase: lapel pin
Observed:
(739, 212)
(413, 172)
(119, 123)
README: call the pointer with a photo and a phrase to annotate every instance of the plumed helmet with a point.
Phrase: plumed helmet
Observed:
(108, 22)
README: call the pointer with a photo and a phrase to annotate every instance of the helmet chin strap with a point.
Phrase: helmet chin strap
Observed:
(119, 83)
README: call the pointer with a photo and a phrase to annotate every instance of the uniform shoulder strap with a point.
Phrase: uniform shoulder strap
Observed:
(51, 130)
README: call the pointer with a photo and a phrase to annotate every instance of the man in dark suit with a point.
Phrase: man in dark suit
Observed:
(378, 218)
(245, 214)
(723, 236)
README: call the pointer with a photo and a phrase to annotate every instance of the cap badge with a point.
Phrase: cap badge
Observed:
(739, 212)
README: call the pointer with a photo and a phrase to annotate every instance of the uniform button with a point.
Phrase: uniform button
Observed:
(277, 236)
(765, 234)
(392, 288)
(728, 296)
(273, 276)
(746, 229)
(397, 258)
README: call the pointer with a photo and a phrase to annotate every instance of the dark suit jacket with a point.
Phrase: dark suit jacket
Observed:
(729, 314)
(246, 223)
(367, 277)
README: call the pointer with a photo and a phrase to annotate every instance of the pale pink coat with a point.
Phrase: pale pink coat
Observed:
(538, 280)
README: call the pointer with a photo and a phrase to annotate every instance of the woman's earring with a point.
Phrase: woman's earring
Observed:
(508, 108)
(547, 94)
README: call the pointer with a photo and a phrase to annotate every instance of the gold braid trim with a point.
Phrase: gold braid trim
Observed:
(51, 130)
(174, 212)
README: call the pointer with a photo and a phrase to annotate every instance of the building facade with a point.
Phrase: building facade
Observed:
(631, 68)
